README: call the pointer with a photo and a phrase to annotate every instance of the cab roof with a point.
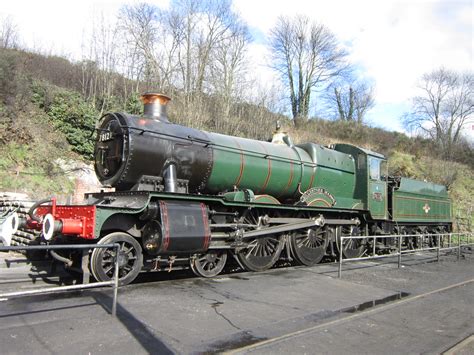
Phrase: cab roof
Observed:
(352, 149)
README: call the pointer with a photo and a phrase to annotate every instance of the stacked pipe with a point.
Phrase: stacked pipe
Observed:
(21, 203)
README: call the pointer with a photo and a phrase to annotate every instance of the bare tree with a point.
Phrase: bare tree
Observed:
(8, 33)
(306, 55)
(139, 29)
(228, 67)
(444, 107)
(351, 101)
(201, 27)
(100, 63)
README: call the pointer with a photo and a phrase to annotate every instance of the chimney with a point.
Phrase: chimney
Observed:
(155, 106)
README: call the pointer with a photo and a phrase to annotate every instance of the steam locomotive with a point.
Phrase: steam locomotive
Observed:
(189, 198)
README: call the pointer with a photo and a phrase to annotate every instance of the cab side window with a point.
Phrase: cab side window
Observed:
(374, 171)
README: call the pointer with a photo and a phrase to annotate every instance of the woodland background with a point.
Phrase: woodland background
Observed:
(195, 52)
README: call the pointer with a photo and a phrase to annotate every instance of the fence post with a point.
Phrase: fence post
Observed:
(439, 246)
(339, 272)
(399, 251)
(459, 246)
(116, 280)
(373, 251)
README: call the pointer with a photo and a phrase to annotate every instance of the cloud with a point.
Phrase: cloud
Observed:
(58, 26)
(391, 42)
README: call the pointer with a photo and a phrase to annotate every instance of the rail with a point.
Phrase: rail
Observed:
(452, 238)
(114, 282)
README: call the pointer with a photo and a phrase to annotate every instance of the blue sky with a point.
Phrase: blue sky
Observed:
(391, 42)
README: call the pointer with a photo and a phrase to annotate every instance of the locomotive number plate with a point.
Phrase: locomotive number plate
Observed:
(106, 136)
(377, 196)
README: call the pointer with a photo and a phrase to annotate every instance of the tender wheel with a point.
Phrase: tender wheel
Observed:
(309, 246)
(209, 264)
(353, 248)
(408, 242)
(130, 259)
(261, 253)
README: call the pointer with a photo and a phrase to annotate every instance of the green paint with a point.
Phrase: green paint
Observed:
(262, 167)
(239, 196)
(280, 170)
(419, 201)
(377, 199)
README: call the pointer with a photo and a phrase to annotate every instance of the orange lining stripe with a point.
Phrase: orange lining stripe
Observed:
(313, 173)
(267, 196)
(291, 176)
(289, 181)
(318, 200)
(242, 164)
(420, 199)
(269, 174)
(422, 216)
(205, 222)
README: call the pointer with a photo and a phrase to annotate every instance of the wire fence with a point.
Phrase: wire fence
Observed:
(114, 282)
(435, 242)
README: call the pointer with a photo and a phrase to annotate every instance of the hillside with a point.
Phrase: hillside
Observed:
(47, 123)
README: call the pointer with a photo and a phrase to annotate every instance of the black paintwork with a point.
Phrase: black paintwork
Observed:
(129, 147)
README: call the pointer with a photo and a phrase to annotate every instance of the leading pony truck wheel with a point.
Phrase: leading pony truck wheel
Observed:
(130, 258)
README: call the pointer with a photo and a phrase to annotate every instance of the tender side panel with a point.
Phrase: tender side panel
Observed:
(409, 207)
(424, 188)
(420, 201)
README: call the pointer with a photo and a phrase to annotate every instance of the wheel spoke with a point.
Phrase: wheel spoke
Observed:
(261, 253)
(210, 264)
(309, 247)
(129, 256)
(250, 251)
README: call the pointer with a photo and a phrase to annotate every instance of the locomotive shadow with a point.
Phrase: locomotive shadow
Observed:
(45, 310)
(149, 341)
(37, 268)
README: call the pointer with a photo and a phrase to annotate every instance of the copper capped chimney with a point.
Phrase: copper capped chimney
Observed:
(155, 106)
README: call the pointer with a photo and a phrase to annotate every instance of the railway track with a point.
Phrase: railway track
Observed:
(356, 314)
(341, 317)
(29, 276)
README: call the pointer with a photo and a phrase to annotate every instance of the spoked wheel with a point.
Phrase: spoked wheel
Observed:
(261, 253)
(353, 248)
(209, 264)
(424, 240)
(130, 259)
(442, 239)
(409, 242)
(433, 237)
(309, 246)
